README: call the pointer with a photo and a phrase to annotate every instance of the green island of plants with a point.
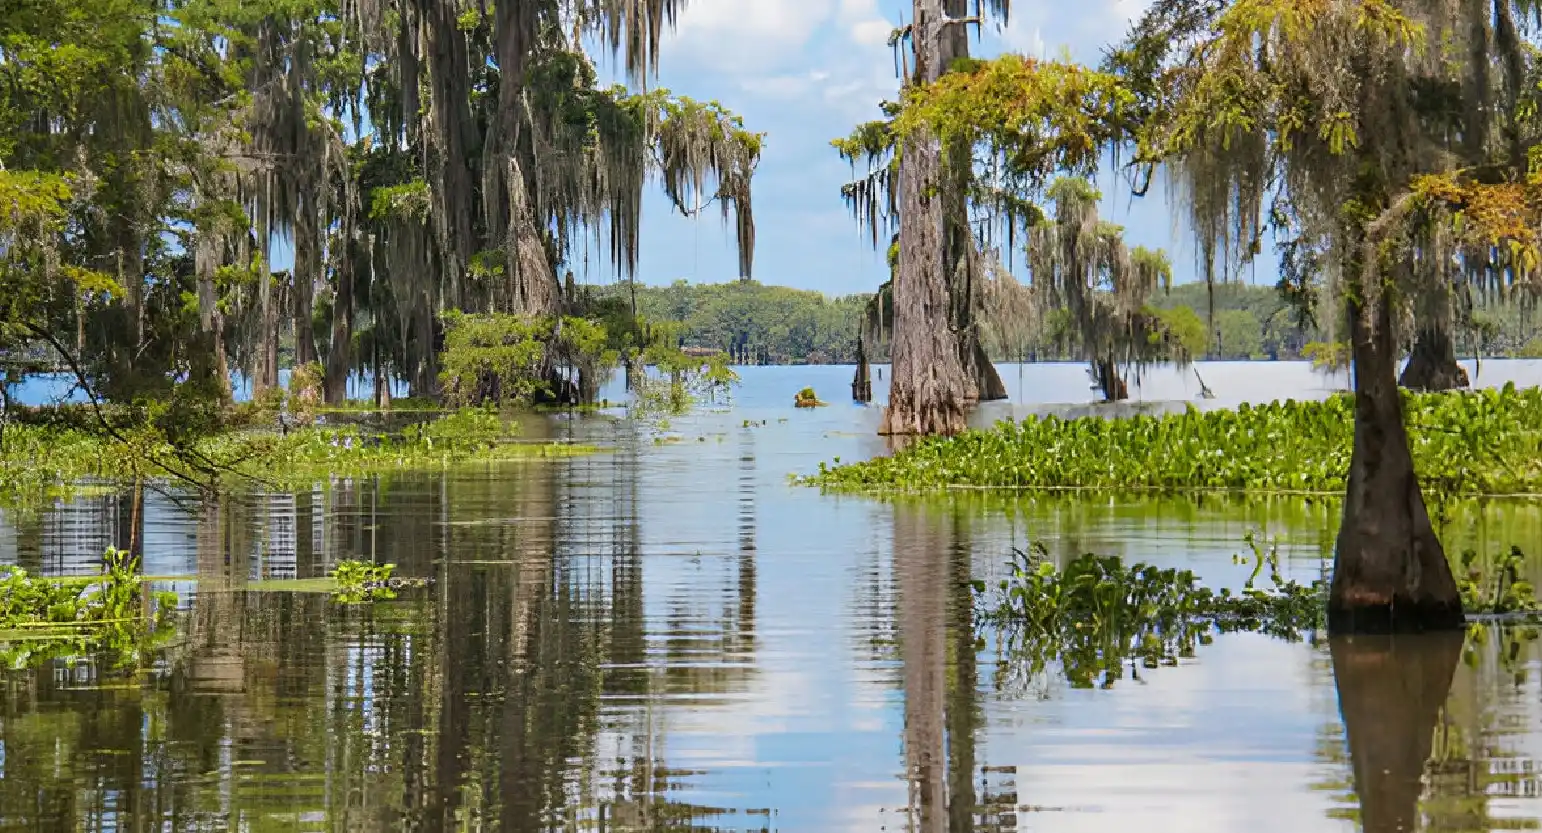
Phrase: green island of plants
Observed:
(1486, 442)
(1098, 619)
(107, 615)
(41, 462)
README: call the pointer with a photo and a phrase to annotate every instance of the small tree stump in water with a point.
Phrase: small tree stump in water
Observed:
(807, 399)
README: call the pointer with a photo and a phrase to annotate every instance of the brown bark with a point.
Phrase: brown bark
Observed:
(929, 390)
(306, 267)
(1390, 572)
(265, 364)
(987, 380)
(535, 287)
(1391, 691)
(211, 323)
(862, 382)
(340, 355)
(1110, 382)
(1432, 364)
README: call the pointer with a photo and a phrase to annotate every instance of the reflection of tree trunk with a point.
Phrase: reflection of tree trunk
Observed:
(961, 714)
(1391, 690)
(1390, 571)
(1432, 365)
(920, 553)
(929, 389)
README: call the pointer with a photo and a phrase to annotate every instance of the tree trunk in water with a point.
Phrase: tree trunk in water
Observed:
(340, 356)
(861, 383)
(425, 376)
(1110, 382)
(382, 383)
(1391, 692)
(305, 269)
(1432, 365)
(989, 381)
(1390, 572)
(929, 385)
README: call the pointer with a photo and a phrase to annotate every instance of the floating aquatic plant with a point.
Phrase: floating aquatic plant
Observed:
(1487, 442)
(110, 614)
(358, 582)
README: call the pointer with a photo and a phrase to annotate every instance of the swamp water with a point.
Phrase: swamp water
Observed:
(669, 636)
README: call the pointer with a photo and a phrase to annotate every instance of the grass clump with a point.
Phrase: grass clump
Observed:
(107, 615)
(1482, 443)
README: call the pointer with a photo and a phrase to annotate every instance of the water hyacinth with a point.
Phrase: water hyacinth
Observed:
(1487, 442)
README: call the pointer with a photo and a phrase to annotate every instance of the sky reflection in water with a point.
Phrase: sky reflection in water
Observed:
(671, 636)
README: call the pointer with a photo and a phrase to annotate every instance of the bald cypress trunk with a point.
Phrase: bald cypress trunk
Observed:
(930, 388)
(306, 265)
(1432, 365)
(340, 354)
(862, 382)
(1390, 572)
(1110, 382)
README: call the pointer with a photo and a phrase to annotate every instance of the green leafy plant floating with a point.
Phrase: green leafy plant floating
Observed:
(110, 615)
(358, 582)
(1500, 588)
(1098, 619)
(1479, 443)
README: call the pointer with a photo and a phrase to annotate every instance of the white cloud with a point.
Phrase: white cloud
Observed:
(737, 36)
(873, 32)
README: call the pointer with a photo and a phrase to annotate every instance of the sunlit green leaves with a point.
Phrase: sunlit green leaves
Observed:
(1487, 442)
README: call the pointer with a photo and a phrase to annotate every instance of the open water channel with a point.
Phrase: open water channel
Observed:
(671, 636)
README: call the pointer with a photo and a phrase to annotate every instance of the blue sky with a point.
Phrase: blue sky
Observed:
(804, 72)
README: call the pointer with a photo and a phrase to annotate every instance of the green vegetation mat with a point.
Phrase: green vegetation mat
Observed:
(41, 462)
(1482, 443)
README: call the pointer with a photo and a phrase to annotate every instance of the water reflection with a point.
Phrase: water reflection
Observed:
(671, 637)
(1391, 690)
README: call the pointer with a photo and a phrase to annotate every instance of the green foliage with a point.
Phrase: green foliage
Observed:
(1098, 618)
(508, 359)
(1327, 357)
(1484, 442)
(1187, 327)
(684, 382)
(42, 462)
(43, 618)
(1496, 586)
(358, 582)
(1238, 335)
(755, 322)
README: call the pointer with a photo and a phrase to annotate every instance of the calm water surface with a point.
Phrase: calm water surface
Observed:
(669, 636)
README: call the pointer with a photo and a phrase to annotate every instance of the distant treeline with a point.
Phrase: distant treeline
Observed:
(756, 323)
(760, 324)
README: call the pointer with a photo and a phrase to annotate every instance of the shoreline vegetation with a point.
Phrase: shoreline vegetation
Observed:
(1481, 443)
(46, 461)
